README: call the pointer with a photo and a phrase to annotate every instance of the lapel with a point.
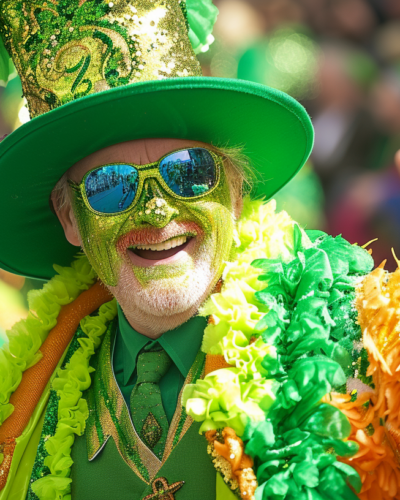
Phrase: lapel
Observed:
(109, 416)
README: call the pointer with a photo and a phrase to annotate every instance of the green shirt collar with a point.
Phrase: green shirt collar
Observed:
(181, 344)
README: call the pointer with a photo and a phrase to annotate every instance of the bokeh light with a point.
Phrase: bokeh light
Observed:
(286, 60)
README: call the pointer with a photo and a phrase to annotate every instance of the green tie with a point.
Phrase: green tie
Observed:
(148, 415)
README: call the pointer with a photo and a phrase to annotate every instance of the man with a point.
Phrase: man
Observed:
(116, 386)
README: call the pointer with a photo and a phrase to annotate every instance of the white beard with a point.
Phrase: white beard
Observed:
(165, 302)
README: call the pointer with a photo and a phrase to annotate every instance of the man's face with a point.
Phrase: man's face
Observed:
(164, 255)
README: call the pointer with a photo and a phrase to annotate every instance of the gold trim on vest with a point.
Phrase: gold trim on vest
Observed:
(109, 416)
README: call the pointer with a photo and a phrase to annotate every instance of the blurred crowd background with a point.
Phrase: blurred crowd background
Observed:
(341, 59)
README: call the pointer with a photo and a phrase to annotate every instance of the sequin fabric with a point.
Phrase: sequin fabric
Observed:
(49, 427)
(109, 416)
(50, 423)
(67, 49)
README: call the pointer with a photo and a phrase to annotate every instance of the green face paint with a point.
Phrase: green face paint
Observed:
(102, 235)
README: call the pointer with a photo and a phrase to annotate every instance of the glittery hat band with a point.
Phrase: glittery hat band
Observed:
(67, 49)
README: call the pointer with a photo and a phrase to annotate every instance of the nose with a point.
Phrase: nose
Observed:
(153, 206)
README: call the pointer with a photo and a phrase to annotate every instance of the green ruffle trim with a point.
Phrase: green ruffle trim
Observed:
(260, 233)
(201, 16)
(232, 396)
(70, 383)
(311, 323)
(26, 337)
(7, 70)
(285, 320)
(227, 398)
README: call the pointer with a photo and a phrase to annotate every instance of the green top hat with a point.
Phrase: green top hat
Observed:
(99, 72)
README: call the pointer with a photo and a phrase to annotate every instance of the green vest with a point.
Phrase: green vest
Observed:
(109, 477)
(111, 460)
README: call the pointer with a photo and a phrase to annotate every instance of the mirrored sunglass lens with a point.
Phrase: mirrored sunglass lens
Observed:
(112, 189)
(189, 173)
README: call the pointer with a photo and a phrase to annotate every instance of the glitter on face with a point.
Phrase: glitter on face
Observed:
(207, 222)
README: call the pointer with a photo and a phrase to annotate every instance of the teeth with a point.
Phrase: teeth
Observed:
(165, 245)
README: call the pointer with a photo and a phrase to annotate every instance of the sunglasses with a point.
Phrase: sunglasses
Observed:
(186, 174)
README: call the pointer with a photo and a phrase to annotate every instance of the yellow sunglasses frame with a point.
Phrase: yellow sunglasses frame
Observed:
(149, 170)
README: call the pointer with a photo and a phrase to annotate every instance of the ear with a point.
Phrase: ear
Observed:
(66, 218)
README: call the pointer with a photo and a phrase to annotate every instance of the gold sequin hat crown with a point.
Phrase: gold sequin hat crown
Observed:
(101, 72)
(67, 49)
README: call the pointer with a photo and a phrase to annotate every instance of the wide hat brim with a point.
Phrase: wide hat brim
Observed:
(274, 130)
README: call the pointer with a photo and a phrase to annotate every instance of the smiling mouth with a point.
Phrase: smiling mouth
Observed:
(163, 250)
